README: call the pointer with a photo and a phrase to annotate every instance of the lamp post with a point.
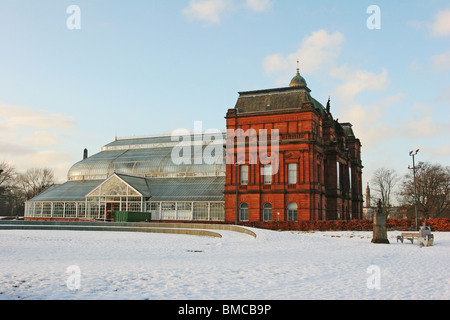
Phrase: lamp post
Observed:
(237, 192)
(413, 154)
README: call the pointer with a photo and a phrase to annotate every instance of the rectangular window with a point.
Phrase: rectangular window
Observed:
(267, 173)
(350, 179)
(184, 206)
(292, 173)
(338, 175)
(71, 210)
(58, 209)
(217, 211)
(244, 175)
(200, 211)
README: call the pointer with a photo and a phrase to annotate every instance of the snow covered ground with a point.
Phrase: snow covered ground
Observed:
(274, 266)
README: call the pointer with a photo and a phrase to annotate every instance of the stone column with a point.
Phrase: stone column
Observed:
(379, 226)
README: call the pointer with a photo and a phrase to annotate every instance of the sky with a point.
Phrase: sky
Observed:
(77, 77)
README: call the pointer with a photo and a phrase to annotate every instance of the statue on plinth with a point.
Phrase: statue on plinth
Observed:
(379, 225)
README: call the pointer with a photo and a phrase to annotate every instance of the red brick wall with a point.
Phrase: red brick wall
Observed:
(303, 137)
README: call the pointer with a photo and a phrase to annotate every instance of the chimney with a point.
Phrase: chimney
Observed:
(85, 154)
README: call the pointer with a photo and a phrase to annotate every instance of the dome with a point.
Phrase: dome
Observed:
(147, 157)
(298, 81)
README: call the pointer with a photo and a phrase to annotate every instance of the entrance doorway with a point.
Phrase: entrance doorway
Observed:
(111, 208)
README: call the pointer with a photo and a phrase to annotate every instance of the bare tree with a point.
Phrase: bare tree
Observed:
(384, 181)
(433, 190)
(7, 175)
(34, 181)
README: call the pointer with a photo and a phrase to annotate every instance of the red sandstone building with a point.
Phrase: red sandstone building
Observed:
(318, 163)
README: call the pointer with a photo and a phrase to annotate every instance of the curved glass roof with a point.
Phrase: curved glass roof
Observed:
(152, 157)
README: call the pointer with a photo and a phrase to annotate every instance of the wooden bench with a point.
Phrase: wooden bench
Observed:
(408, 235)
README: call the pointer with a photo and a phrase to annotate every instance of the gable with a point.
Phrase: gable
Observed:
(115, 186)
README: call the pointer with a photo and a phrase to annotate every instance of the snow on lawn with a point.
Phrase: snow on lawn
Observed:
(274, 266)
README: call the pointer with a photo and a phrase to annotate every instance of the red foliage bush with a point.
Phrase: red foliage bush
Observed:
(347, 225)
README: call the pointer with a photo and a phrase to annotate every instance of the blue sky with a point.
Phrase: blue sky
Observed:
(148, 67)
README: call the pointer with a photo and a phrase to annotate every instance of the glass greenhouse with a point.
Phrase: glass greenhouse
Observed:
(140, 175)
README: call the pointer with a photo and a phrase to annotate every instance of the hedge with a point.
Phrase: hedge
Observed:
(347, 225)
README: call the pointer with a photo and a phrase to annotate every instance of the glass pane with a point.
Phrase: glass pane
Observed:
(244, 175)
(243, 212)
(292, 173)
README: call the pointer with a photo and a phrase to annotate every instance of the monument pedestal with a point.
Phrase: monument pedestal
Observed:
(379, 229)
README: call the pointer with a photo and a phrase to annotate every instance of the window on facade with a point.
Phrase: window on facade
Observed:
(338, 175)
(350, 179)
(81, 210)
(292, 173)
(244, 175)
(168, 206)
(58, 209)
(184, 206)
(47, 209)
(243, 212)
(267, 212)
(267, 174)
(292, 211)
(217, 211)
(134, 206)
(200, 211)
(71, 210)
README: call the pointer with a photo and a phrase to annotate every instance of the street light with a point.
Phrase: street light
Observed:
(413, 154)
(237, 164)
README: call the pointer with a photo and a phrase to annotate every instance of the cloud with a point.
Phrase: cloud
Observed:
(316, 51)
(441, 25)
(212, 11)
(319, 52)
(32, 128)
(367, 120)
(441, 62)
(209, 11)
(440, 151)
(13, 150)
(421, 123)
(42, 139)
(14, 117)
(259, 5)
(29, 138)
(357, 81)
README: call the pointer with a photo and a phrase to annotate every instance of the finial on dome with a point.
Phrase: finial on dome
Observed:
(298, 80)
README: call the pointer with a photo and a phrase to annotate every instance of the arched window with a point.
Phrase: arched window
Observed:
(267, 212)
(292, 211)
(243, 212)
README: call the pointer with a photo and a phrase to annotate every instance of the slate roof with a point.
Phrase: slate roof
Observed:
(69, 191)
(155, 189)
(276, 99)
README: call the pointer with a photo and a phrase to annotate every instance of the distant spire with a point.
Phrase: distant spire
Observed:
(329, 105)
(368, 196)
(298, 67)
